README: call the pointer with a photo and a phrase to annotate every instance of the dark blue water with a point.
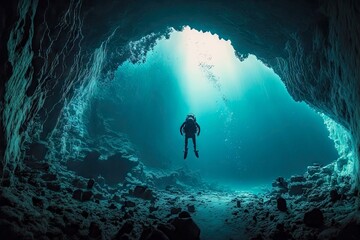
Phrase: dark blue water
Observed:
(251, 129)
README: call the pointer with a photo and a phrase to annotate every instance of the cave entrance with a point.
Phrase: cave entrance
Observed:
(252, 131)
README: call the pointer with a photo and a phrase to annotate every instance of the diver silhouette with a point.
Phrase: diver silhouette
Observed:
(190, 127)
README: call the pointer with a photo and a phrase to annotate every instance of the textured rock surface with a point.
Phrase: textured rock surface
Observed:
(314, 49)
(50, 54)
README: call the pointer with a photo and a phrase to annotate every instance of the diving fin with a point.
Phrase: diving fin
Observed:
(197, 153)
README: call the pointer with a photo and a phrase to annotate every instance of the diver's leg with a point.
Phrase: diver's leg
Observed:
(195, 150)
(186, 147)
(194, 142)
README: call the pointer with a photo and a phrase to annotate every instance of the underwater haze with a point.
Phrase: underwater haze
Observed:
(252, 131)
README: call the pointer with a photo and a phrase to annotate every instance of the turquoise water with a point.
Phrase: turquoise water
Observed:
(251, 129)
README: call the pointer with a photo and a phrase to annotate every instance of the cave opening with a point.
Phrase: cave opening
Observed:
(91, 115)
(252, 130)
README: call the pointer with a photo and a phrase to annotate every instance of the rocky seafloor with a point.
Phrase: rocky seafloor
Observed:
(50, 201)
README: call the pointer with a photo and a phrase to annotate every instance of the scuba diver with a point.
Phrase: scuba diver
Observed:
(190, 127)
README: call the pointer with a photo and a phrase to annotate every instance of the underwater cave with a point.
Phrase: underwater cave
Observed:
(94, 94)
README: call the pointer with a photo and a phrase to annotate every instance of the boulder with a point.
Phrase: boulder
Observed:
(53, 186)
(334, 196)
(37, 202)
(55, 209)
(191, 208)
(174, 210)
(314, 218)
(297, 178)
(281, 204)
(86, 196)
(168, 229)
(296, 189)
(156, 234)
(129, 204)
(90, 183)
(350, 231)
(125, 229)
(313, 169)
(143, 192)
(37, 150)
(77, 194)
(49, 177)
(280, 233)
(94, 230)
(184, 214)
(185, 228)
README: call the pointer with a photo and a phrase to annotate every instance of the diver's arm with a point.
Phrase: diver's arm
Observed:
(198, 126)
(181, 128)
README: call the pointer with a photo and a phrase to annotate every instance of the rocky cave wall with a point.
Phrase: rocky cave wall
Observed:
(50, 49)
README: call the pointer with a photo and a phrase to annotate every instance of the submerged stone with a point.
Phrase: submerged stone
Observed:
(314, 218)
(281, 204)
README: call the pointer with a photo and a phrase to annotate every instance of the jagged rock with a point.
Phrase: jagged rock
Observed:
(49, 177)
(77, 194)
(281, 204)
(143, 192)
(351, 231)
(328, 170)
(116, 198)
(85, 214)
(168, 229)
(334, 196)
(78, 183)
(280, 186)
(184, 214)
(6, 201)
(329, 233)
(129, 204)
(42, 166)
(313, 169)
(72, 229)
(152, 208)
(191, 208)
(280, 233)
(5, 182)
(90, 183)
(157, 235)
(112, 206)
(298, 188)
(125, 229)
(37, 150)
(9, 230)
(37, 202)
(54, 232)
(316, 176)
(94, 230)
(86, 196)
(185, 228)
(298, 178)
(99, 196)
(53, 186)
(174, 210)
(340, 163)
(55, 209)
(114, 169)
(238, 203)
(280, 182)
(314, 218)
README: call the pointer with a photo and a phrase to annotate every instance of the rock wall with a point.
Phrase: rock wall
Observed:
(51, 48)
